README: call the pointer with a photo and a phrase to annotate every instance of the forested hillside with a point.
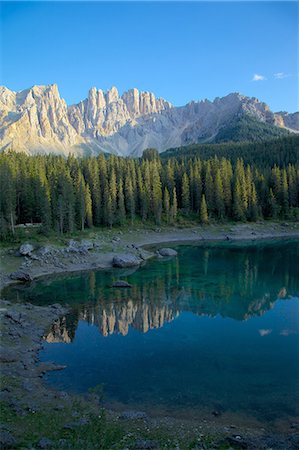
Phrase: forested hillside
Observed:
(249, 128)
(68, 194)
(281, 151)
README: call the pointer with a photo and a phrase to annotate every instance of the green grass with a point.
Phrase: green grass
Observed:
(101, 432)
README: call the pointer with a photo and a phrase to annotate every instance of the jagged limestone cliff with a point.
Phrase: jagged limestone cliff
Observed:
(39, 120)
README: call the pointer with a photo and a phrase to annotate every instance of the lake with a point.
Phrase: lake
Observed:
(211, 332)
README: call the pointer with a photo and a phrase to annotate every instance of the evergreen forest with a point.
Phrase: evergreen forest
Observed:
(204, 184)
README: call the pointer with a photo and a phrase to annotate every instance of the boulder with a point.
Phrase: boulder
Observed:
(73, 246)
(26, 249)
(20, 276)
(79, 247)
(46, 250)
(126, 260)
(167, 252)
(86, 244)
(121, 284)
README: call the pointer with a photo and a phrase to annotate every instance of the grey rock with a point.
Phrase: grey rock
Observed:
(73, 425)
(38, 118)
(86, 244)
(7, 355)
(146, 444)
(26, 249)
(145, 254)
(46, 250)
(7, 440)
(126, 260)
(237, 441)
(167, 252)
(20, 276)
(45, 443)
(79, 247)
(121, 284)
(133, 415)
(294, 438)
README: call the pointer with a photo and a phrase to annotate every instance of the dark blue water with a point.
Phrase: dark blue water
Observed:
(214, 329)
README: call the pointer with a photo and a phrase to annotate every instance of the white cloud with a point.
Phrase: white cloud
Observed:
(280, 75)
(257, 77)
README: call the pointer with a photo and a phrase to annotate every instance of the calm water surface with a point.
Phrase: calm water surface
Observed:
(215, 328)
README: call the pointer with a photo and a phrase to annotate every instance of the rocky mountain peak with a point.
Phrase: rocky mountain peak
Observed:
(38, 119)
(112, 95)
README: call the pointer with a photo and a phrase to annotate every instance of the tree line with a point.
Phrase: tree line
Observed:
(68, 194)
(282, 151)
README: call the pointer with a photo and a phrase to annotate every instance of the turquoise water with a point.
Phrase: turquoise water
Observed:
(214, 329)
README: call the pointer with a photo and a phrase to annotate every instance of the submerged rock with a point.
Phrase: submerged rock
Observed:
(126, 260)
(145, 254)
(167, 252)
(121, 284)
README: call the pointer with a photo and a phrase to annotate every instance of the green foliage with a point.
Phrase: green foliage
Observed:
(66, 195)
(282, 151)
(248, 128)
(204, 217)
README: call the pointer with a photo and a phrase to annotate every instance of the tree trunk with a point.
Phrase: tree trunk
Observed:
(12, 223)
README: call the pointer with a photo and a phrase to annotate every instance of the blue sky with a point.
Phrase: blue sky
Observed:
(180, 51)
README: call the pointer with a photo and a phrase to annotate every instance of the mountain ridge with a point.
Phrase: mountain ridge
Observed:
(38, 120)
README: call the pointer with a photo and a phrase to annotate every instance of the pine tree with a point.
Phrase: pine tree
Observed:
(203, 214)
(88, 207)
(174, 207)
(121, 204)
(219, 197)
(156, 194)
(185, 193)
(7, 198)
(284, 194)
(166, 202)
(208, 187)
(253, 205)
(129, 199)
(273, 208)
(238, 204)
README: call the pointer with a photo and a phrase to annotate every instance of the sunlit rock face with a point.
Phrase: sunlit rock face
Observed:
(117, 318)
(35, 119)
(38, 120)
(61, 331)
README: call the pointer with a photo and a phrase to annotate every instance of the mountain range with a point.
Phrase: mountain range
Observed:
(38, 120)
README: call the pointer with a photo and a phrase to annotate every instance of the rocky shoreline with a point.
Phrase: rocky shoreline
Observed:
(26, 398)
(23, 327)
(32, 261)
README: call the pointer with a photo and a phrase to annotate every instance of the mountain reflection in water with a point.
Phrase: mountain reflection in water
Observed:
(231, 281)
(214, 328)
